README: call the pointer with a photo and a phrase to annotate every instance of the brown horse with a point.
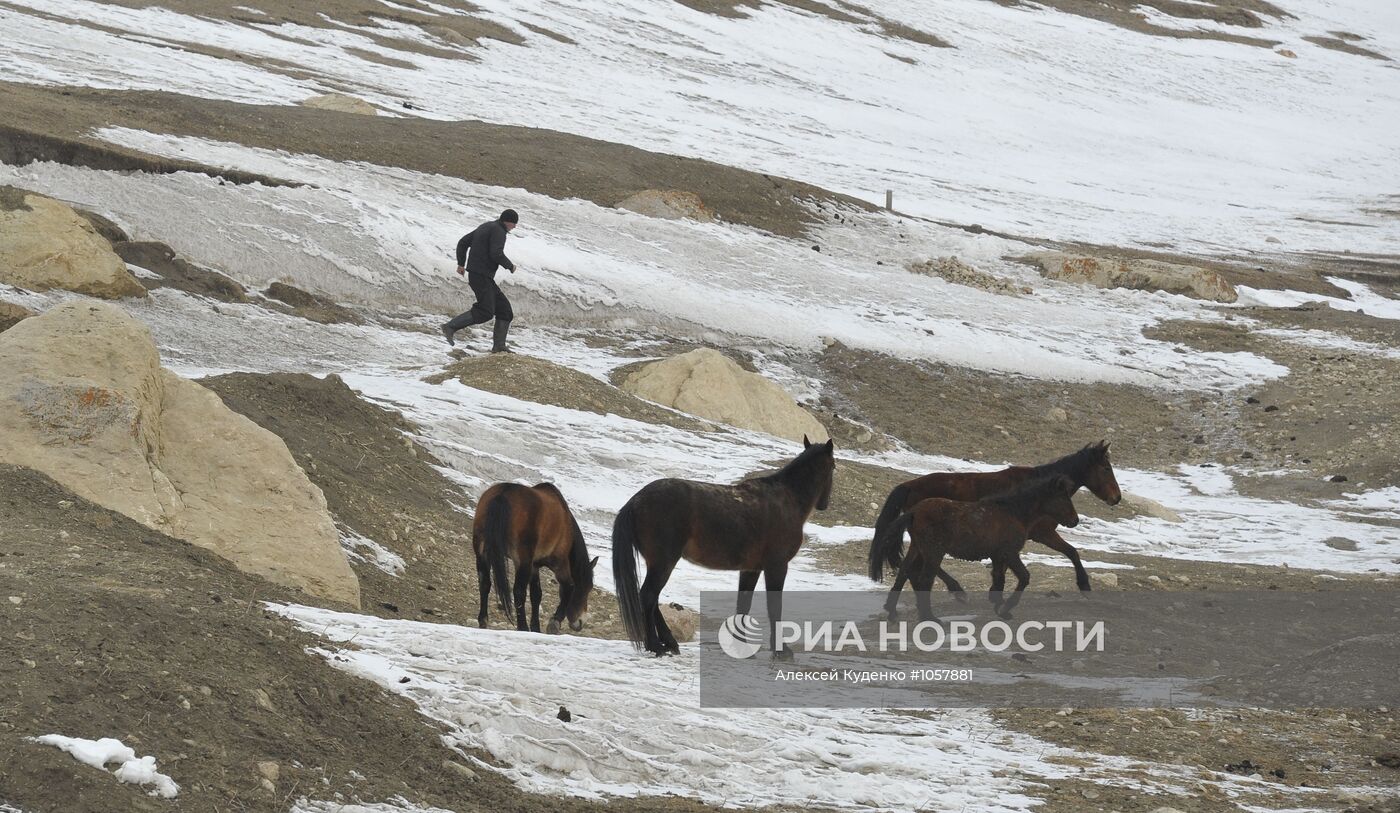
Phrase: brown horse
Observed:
(993, 528)
(752, 527)
(1089, 467)
(532, 527)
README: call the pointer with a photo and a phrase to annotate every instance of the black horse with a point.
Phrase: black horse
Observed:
(752, 527)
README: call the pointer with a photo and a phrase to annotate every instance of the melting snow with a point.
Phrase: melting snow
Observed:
(131, 769)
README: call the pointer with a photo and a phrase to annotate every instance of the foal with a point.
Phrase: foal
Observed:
(532, 527)
(992, 528)
(1088, 468)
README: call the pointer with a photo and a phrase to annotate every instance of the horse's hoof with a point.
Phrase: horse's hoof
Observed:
(783, 655)
(553, 628)
(960, 596)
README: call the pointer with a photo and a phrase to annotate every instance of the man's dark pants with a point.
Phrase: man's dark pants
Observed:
(491, 303)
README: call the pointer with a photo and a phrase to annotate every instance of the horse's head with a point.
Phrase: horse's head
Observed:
(1098, 477)
(1057, 501)
(577, 611)
(823, 463)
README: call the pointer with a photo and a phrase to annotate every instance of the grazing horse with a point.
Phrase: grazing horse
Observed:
(1089, 467)
(992, 528)
(532, 527)
(752, 527)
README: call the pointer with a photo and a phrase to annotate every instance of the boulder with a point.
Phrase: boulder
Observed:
(1142, 506)
(11, 314)
(83, 399)
(668, 204)
(340, 103)
(1138, 275)
(683, 622)
(706, 383)
(44, 244)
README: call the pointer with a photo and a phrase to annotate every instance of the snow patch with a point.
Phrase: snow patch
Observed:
(637, 727)
(130, 770)
(363, 549)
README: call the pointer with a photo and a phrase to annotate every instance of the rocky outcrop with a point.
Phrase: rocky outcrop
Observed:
(667, 204)
(311, 307)
(83, 399)
(11, 314)
(706, 383)
(44, 244)
(1138, 275)
(341, 103)
(958, 272)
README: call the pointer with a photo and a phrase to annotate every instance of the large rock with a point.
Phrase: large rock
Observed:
(1138, 275)
(669, 204)
(340, 103)
(83, 398)
(44, 244)
(11, 314)
(705, 383)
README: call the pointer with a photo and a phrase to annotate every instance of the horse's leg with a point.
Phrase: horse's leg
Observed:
(1051, 539)
(997, 594)
(901, 576)
(566, 589)
(483, 578)
(952, 584)
(773, 579)
(922, 579)
(747, 580)
(658, 573)
(1023, 578)
(535, 594)
(522, 583)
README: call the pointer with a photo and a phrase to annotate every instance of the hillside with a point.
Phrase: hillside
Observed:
(1171, 226)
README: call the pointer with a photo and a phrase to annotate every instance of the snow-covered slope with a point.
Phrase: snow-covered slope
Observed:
(1035, 122)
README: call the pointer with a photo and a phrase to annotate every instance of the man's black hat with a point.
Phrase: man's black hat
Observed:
(509, 216)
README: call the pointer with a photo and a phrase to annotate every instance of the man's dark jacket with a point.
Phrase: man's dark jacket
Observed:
(488, 249)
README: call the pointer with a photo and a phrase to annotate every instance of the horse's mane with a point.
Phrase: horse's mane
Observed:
(1074, 464)
(1031, 491)
(799, 463)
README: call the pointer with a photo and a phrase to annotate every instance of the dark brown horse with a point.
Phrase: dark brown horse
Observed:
(532, 527)
(1087, 468)
(993, 528)
(753, 527)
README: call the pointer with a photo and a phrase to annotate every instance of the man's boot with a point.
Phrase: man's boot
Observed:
(498, 338)
(447, 333)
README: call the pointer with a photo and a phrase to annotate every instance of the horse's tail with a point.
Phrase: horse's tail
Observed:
(880, 553)
(886, 546)
(624, 553)
(497, 533)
